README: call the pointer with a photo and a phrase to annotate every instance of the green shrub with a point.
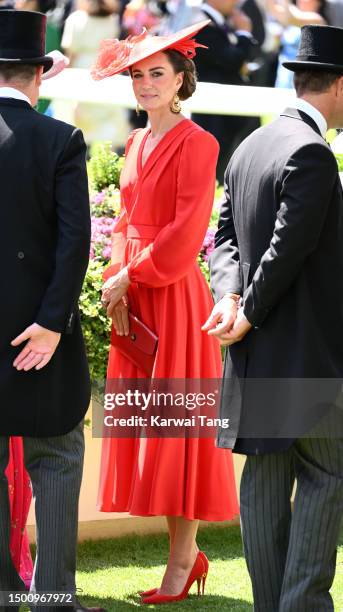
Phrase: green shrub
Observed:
(339, 158)
(104, 166)
(95, 323)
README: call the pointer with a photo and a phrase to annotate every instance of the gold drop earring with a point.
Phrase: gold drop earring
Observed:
(138, 110)
(175, 106)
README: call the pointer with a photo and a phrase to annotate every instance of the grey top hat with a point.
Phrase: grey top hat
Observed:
(320, 48)
(22, 38)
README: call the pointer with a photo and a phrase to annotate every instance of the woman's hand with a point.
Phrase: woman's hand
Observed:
(120, 317)
(114, 290)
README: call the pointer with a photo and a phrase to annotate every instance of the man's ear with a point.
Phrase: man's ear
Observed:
(39, 73)
(340, 85)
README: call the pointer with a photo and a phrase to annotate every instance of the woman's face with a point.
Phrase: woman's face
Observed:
(155, 82)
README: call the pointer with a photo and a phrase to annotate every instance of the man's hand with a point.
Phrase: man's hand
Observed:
(240, 328)
(39, 349)
(222, 317)
(114, 290)
(120, 317)
(240, 21)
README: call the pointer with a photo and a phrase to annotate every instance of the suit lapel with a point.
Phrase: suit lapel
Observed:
(294, 113)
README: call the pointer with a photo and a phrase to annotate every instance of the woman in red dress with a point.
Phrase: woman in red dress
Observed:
(167, 193)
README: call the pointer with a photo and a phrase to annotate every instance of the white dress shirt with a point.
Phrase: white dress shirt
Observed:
(11, 92)
(314, 113)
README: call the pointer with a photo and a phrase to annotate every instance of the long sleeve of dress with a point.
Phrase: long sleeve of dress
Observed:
(177, 245)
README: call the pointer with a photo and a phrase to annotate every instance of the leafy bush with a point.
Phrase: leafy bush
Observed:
(104, 167)
(339, 158)
(104, 170)
(95, 323)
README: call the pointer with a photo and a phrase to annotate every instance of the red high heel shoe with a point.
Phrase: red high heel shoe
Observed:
(147, 593)
(206, 564)
(198, 573)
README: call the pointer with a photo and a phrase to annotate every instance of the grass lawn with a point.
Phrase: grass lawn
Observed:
(110, 572)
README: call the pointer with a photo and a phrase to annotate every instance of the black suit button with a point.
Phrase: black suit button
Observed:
(21, 255)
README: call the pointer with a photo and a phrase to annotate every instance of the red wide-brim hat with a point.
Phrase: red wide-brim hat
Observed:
(117, 56)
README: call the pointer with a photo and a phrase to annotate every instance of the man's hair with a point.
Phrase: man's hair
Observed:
(314, 81)
(17, 72)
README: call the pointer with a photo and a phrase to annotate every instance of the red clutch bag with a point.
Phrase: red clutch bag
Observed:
(139, 346)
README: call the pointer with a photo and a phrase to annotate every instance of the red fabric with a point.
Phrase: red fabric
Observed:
(187, 47)
(19, 488)
(174, 190)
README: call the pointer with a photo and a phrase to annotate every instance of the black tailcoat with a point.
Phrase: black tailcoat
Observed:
(45, 235)
(279, 245)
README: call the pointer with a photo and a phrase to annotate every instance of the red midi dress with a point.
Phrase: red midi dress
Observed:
(166, 206)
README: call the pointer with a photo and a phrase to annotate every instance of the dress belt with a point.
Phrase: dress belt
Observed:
(136, 230)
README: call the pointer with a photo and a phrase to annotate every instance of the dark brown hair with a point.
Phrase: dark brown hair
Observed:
(181, 63)
(313, 81)
(20, 72)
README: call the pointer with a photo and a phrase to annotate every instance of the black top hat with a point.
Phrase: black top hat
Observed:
(320, 48)
(22, 38)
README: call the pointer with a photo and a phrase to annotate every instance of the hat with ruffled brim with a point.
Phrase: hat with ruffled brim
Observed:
(320, 49)
(117, 56)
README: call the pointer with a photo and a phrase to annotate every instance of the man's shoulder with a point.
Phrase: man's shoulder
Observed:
(284, 135)
(52, 125)
(269, 148)
(298, 130)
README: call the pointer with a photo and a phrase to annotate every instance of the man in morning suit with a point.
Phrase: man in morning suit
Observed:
(44, 379)
(231, 46)
(277, 273)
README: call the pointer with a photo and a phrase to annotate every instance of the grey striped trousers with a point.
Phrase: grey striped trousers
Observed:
(55, 467)
(291, 558)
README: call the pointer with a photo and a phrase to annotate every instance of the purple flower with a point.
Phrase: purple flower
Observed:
(98, 198)
(106, 252)
(209, 238)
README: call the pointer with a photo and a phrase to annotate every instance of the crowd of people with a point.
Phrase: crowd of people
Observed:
(276, 261)
(249, 41)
